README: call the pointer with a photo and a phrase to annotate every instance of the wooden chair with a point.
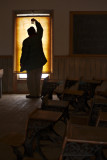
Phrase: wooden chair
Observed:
(48, 87)
(38, 125)
(89, 86)
(66, 85)
(77, 98)
(57, 106)
(41, 125)
(81, 118)
(82, 142)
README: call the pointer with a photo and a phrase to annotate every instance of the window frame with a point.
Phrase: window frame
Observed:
(40, 13)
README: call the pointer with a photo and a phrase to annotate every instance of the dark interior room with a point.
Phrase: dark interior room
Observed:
(53, 80)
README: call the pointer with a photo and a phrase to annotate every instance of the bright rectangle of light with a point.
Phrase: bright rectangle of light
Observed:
(24, 76)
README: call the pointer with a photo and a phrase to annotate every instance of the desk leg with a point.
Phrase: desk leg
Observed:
(33, 137)
(103, 156)
(38, 148)
(28, 145)
(17, 153)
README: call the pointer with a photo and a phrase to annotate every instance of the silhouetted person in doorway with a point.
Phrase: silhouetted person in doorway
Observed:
(33, 59)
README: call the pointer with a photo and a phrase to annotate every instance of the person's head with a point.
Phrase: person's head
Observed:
(31, 31)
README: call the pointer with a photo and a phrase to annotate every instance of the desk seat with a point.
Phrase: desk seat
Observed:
(83, 141)
(77, 98)
(46, 115)
(73, 92)
(87, 134)
(57, 106)
(41, 124)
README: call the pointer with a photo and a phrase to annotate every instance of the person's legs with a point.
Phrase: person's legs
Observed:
(33, 82)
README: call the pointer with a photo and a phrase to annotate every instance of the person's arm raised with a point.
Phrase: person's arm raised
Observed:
(39, 27)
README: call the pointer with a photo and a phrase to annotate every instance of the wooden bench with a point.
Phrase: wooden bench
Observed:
(89, 86)
(45, 115)
(67, 84)
(77, 98)
(57, 106)
(41, 122)
(48, 87)
(44, 122)
(83, 141)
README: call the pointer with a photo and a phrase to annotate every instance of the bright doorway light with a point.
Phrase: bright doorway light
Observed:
(24, 76)
(44, 75)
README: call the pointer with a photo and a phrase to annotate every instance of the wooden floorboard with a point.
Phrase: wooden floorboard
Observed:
(14, 112)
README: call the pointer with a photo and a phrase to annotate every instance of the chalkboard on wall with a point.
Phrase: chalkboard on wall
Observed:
(88, 33)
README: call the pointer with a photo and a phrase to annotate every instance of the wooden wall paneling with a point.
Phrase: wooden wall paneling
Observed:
(103, 63)
(86, 69)
(92, 68)
(88, 75)
(61, 68)
(55, 74)
(6, 64)
(82, 68)
(69, 73)
(98, 68)
(64, 64)
(71, 68)
(67, 68)
(10, 77)
(77, 68)
(100, 65)
(105, 70)
(14, 83)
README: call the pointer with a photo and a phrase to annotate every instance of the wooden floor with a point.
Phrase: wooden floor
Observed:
(14, 114)
(15, 110)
